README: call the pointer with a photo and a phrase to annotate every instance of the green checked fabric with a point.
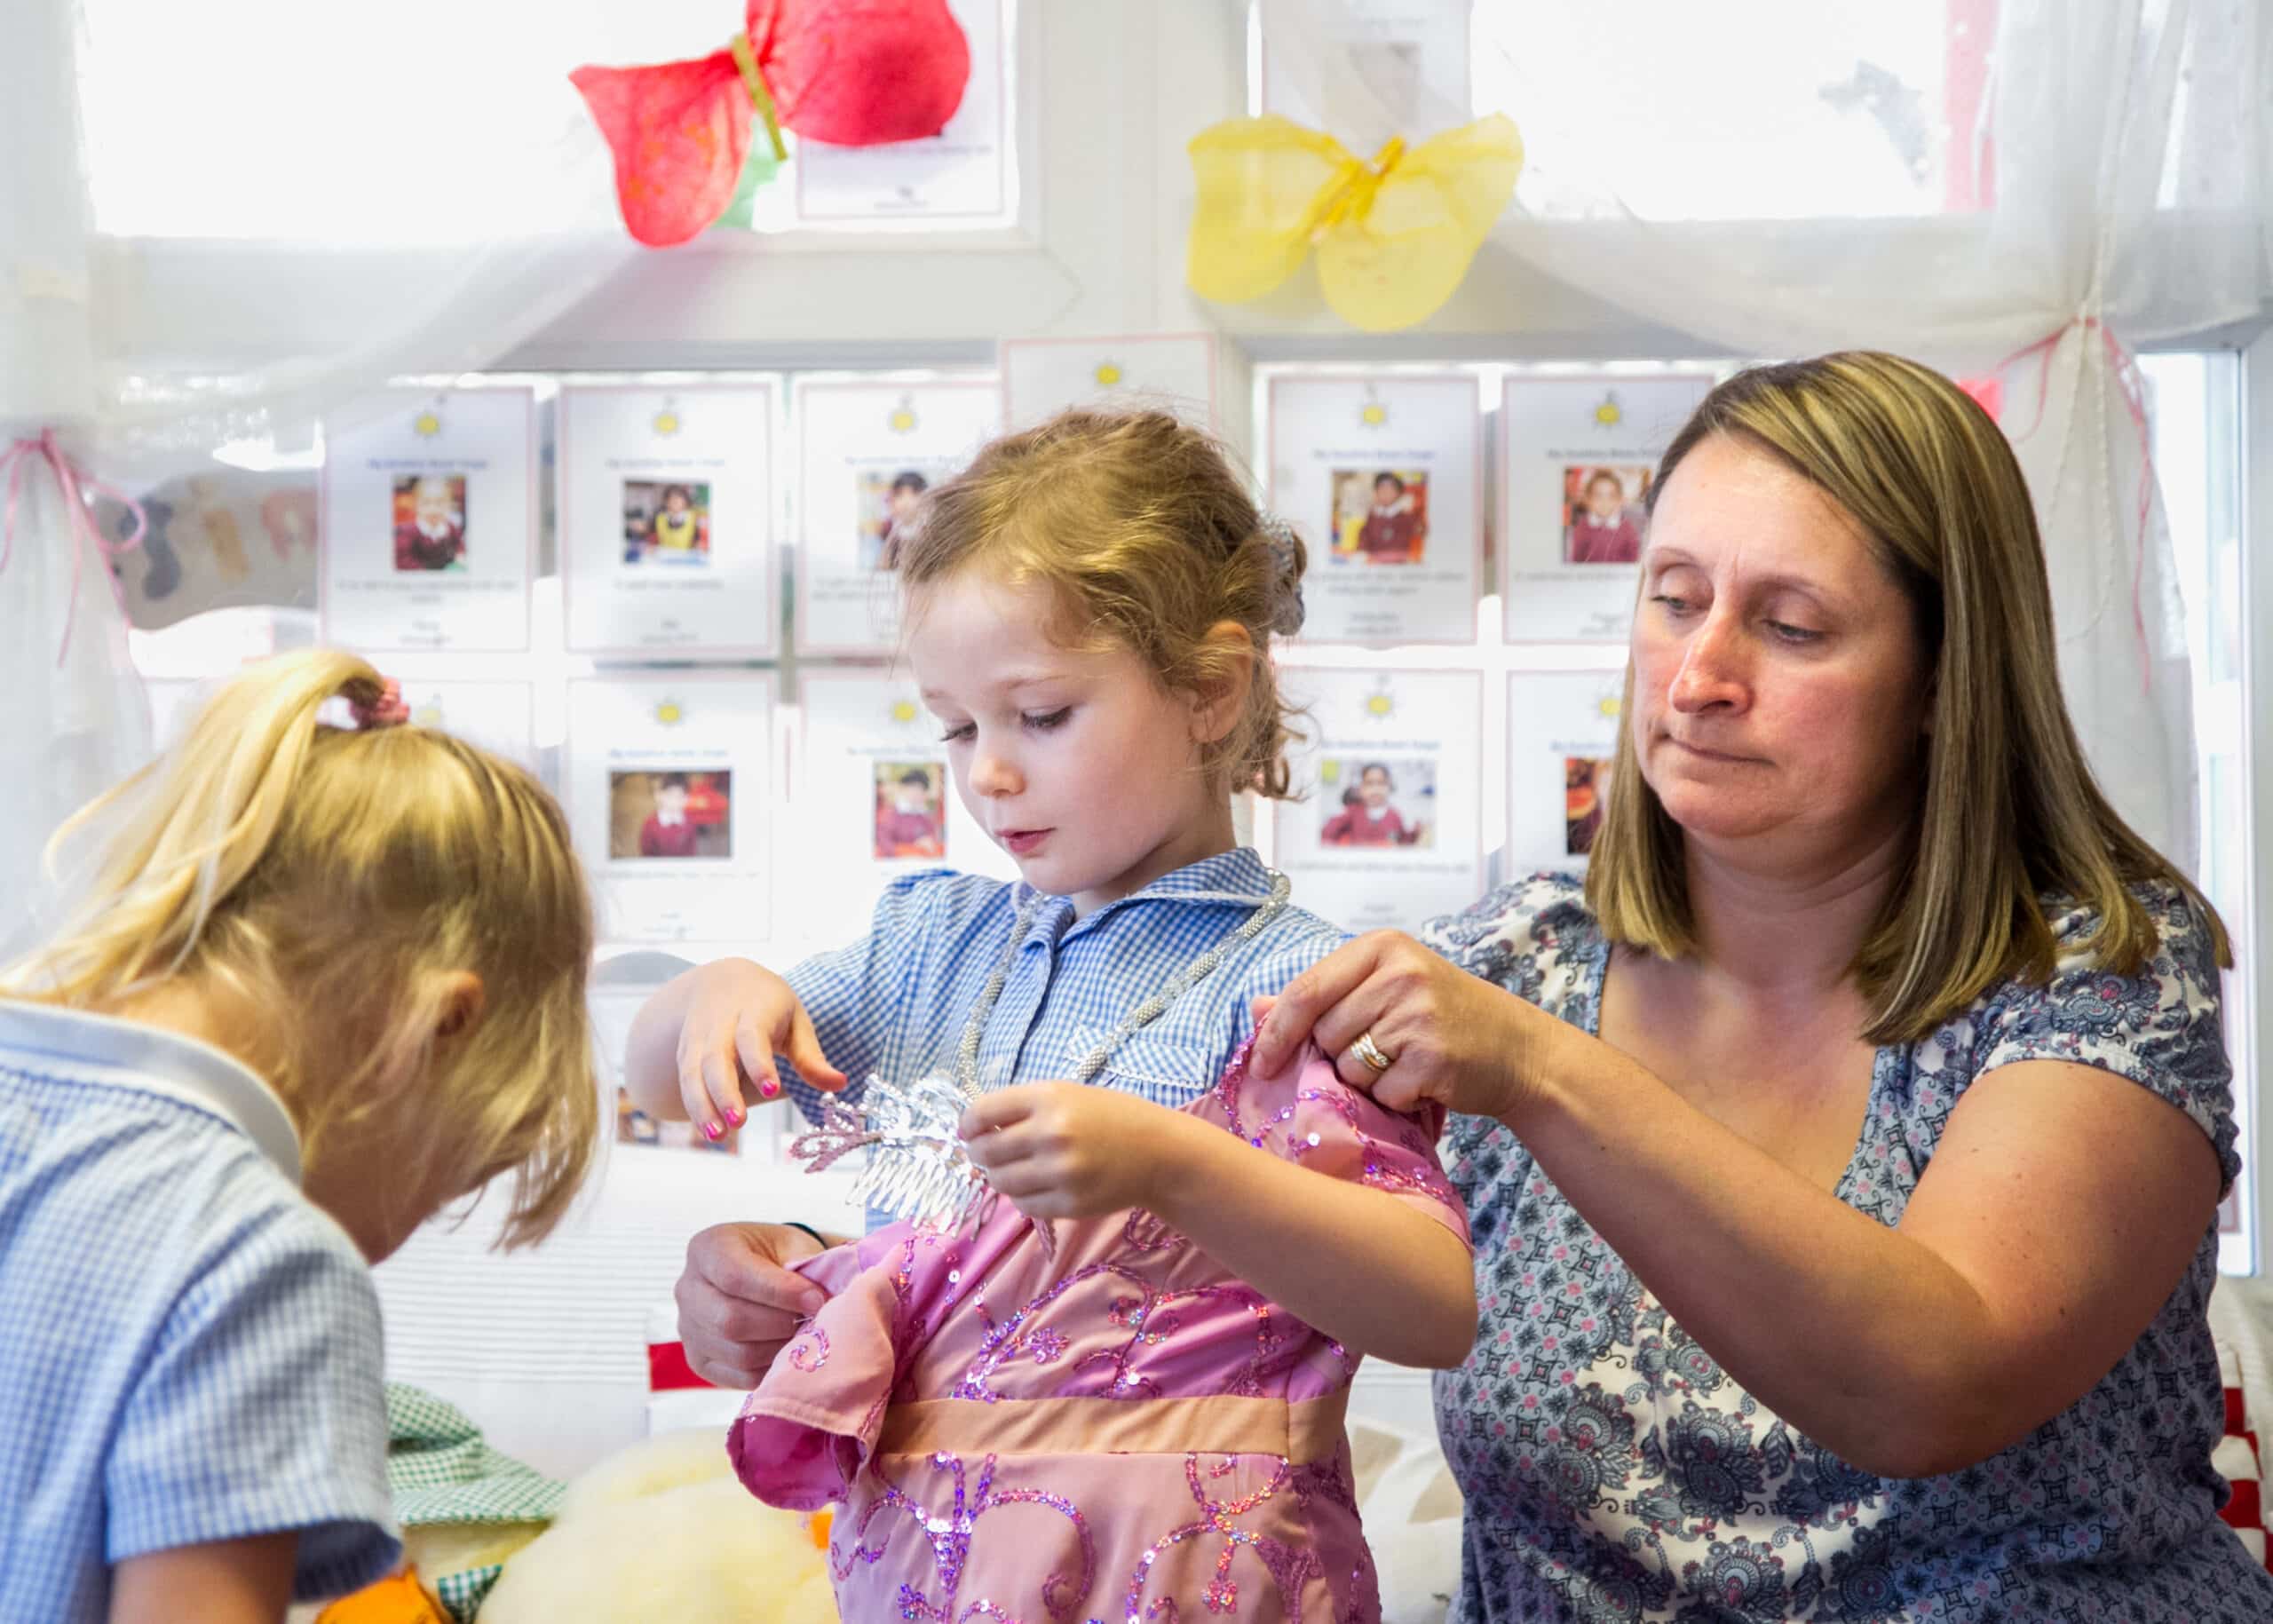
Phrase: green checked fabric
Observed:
(442, 1471)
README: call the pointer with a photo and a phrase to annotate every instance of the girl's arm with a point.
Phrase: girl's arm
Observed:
(1362, 1266)
(231, 1581)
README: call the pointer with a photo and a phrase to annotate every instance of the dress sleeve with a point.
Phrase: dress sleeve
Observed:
(2161, 1028)
(263, 1410)
(1312, 1117)
(802, 1436)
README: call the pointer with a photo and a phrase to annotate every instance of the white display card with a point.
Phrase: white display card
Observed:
(867, 452)
(872, 799)
(1562, 738)
(962, 173)
(429, 522)
(666, 519)
(1411, 55)
(668, 791)
(1389, 832)
(634, 1131)
(1577, 455)
(1173, 372)
(498, 716)
(1383, 477)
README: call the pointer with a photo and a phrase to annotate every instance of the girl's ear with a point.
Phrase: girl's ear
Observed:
(1227, 656)
(462, 1001)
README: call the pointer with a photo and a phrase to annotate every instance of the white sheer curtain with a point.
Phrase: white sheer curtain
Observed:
(366, 194)
(2024, 180)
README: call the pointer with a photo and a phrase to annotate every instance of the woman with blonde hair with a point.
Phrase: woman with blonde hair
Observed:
(1844, 1154)
(322, 982)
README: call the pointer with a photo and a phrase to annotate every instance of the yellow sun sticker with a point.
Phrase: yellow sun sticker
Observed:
(426, 425)
(1108, 374)
(428, 715)
(667, 422)
(903, 421)
(1608, 705)
(903, 710)
(1609, 415)
(1379, 705)
(670, 714)
(1375, 414)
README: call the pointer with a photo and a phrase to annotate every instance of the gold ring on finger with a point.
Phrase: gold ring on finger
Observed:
(1369, 1055)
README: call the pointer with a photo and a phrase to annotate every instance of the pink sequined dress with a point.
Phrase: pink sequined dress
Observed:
(1125, 1431)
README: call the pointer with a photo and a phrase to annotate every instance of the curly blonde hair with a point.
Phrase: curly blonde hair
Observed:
(332, 879)
(1146, 537)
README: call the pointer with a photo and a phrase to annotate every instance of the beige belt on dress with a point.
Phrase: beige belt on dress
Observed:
(1309, 1430)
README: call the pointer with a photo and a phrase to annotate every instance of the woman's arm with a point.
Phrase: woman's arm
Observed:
(2056, 1215)
(1362, 1266)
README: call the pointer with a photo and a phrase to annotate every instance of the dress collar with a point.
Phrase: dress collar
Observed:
(79, 1046)
(1236, 878)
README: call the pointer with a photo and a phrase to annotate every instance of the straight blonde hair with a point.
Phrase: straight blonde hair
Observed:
(1146, 537)
(2008, 815)
(330, 879)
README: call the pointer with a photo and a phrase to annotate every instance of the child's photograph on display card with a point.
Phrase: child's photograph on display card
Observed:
(666, 780)
(1604, 513)
(1387, 830)
(1561, 756)
(887, 499)
(1171, 372)
(1578, 458)
(872, 798)
(666, 525)
(429, 521)
(666, 519)
(1365, 802)
(426, 511)
(870, 454)
(670, 814)
(1381, 473)
(911, 809)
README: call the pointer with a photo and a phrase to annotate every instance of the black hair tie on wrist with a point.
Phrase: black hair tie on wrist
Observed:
(819, 1240)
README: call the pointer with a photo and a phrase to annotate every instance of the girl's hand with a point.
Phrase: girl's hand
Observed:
(738, 1016)
(1451, 1037)
(1062, 1150)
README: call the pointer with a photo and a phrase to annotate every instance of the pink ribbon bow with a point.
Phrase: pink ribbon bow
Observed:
(76, 488)
(387, 710)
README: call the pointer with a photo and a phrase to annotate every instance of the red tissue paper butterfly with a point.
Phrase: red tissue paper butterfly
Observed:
(852, 73)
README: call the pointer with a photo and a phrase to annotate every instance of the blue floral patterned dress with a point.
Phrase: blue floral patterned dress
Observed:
(1614, 1473)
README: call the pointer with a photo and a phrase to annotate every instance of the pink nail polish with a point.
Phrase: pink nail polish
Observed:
(769, 1088)
(713, 1132)
(734, 1115)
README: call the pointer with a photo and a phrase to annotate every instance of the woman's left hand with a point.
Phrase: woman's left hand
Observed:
(1449, 1036)
(1060, 1150)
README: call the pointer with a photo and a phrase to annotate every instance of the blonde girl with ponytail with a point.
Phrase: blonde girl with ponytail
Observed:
(319, 983)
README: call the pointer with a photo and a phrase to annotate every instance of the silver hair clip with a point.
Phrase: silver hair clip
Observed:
(1287, 612)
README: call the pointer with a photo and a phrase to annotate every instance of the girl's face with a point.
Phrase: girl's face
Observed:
(1375, 786)
(1080, 765)
(676, 502)
(1385, 493)
(1605, 497)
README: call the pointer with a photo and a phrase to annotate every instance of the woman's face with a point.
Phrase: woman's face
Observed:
(1779, 690)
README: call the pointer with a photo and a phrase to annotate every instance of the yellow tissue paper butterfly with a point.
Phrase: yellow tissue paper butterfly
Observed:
(1394, 234)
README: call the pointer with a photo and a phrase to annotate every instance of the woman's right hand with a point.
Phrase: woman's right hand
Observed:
(726, 1022)
(739, 1305)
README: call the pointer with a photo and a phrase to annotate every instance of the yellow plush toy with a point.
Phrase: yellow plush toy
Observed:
(663, 1530)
